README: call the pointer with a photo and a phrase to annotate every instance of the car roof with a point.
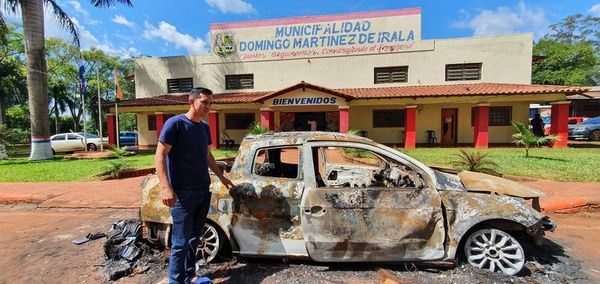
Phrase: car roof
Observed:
(301, 137)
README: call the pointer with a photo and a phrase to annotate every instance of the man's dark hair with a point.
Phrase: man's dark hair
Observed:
(196, 92)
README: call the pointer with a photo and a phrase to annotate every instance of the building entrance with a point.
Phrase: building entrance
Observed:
(305, 121)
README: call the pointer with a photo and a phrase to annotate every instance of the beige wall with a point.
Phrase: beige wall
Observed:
(505, 59)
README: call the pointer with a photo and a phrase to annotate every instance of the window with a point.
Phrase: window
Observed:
(180, 85)
(356, 167)
(388, 118)
(59, 137)
(463, 72)
(238, 120)
(500, 116)
(237, 82)
(277, 162)
(396, 74)
(151, 122)
(73, 137)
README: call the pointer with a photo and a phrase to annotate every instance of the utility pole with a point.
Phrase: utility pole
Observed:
(99, 108)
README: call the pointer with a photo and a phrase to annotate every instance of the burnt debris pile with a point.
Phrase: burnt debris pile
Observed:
(126, 253)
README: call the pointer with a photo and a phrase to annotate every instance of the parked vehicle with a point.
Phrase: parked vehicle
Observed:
(128, 138)
(334, 197)
(588, 129)
(69, 142)
(577, 119)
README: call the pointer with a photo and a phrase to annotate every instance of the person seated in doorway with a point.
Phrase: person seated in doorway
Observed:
(312, 124)
(227, 141)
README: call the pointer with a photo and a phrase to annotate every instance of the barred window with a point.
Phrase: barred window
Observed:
(463, 72)
(397, 74)
(388, 118)
(151, 122)
(241, 81)
(500, 116)
(238, 120)
(180, 85)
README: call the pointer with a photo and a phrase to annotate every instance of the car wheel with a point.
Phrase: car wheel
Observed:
(92, 147)
(209, 246)
(495, 250)
(595, 135)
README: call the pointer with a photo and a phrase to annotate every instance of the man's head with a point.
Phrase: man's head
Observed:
(200, 100)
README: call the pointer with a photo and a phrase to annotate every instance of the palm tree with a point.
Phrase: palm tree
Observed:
(476, 162)
(525, 137)
(32, 12)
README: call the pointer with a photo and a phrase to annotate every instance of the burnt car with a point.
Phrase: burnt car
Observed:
(334, 197)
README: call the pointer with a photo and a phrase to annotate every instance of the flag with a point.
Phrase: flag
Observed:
(119, 94)
(82, 78)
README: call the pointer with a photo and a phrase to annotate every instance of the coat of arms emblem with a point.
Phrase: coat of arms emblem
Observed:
(224, 45)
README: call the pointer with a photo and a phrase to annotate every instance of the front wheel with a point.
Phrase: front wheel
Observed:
(595, 135)
(495, 250)
(209, 246)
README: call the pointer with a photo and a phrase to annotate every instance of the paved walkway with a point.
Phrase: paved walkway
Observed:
(561, 197)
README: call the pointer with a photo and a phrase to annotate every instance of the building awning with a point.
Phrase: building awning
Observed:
(476, 89)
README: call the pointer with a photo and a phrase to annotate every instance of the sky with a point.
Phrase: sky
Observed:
(181, 27)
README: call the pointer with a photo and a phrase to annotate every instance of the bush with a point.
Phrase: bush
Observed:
(476, 162)
(18, 136)
(257, 128)
(115, 168)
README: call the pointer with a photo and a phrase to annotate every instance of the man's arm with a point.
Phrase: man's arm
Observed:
(160, 161)
(212, 164)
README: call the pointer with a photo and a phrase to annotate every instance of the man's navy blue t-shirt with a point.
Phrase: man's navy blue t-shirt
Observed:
(187, 162)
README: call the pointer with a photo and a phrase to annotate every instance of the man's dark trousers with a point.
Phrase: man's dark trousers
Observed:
(189, 215)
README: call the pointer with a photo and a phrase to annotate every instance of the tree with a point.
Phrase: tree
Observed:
(577, 28)
(13, 88)
(565, 63)
(526, 138)
(32, 12)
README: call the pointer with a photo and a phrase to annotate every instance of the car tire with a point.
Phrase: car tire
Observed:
(595, 135)
(494, 250)
(92, 147)
(209, 246)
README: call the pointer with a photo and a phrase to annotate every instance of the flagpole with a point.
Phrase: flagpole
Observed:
(117, 120)
(118, 96)
(84, 124)
(99, 108)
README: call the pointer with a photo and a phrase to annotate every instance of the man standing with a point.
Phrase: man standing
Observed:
(182, 161)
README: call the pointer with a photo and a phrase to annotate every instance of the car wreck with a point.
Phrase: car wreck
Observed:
(334, 197)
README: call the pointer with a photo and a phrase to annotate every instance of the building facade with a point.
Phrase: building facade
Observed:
(366, 71)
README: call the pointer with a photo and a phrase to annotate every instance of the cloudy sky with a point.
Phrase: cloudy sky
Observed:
(180, 27)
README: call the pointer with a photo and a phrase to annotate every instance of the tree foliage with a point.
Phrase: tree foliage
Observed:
(475, 161)
(565, 63)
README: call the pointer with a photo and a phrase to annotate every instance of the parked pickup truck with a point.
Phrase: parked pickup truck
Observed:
(334, 197)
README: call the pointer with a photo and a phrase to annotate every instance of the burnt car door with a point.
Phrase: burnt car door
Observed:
(361, 205)
(265, 218)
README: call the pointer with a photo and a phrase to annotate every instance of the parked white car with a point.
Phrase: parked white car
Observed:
(68, 142)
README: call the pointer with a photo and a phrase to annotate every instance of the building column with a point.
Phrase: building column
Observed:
(111, 127)
(160, 122)
(410, 127)
(480, 125)
(560, 123)
(267, 118)
(344, 119)
(213, 122)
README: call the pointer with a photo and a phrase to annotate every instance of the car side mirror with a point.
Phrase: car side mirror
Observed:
(332, 175)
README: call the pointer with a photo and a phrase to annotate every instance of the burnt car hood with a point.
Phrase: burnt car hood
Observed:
(479, 182)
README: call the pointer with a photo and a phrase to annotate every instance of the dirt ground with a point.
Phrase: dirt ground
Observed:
(36, 248)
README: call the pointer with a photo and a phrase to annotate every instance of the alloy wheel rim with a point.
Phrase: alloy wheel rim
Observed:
(495, 250)
(208, 247)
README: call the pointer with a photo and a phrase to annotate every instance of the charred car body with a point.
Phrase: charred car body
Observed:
(333, 197)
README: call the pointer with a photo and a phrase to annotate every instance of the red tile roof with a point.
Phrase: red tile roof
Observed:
(476, 89)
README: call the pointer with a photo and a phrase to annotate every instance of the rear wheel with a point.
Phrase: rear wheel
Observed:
(209, 246)
(595, 135)
(495, 250)
(92, 147)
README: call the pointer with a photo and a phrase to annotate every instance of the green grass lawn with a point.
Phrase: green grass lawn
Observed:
(570, 164)
(58, 169)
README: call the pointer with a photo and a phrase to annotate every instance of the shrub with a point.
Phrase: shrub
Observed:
(476, 162)
(115, 168)
(257, 128)
(525, 137)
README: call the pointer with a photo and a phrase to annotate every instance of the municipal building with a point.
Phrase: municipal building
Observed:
(368, 71)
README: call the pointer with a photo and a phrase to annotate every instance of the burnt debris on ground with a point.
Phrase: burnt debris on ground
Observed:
(126, 253)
